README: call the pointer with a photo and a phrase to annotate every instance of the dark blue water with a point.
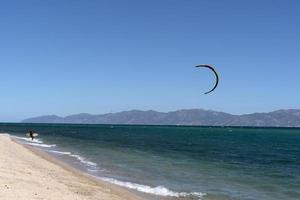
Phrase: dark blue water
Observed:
(180, 162)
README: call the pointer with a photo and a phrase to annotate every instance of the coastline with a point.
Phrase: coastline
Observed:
(29, 173)
(195, 163)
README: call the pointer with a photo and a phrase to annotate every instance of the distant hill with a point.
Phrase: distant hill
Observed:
(279, 118)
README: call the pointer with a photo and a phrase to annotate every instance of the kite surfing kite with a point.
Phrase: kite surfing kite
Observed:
(214, 71)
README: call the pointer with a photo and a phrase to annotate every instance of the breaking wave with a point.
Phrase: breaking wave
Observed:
(159, 190)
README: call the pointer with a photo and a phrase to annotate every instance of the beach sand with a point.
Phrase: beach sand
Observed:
(28, 174)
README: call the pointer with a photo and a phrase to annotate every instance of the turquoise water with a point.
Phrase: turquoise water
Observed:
(175, 162)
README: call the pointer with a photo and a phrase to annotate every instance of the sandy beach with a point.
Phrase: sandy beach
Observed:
(28, 174)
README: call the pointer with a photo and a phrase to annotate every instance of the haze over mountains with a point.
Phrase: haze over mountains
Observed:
(279, 118)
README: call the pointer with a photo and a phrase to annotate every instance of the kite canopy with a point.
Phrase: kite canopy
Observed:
(214, 71)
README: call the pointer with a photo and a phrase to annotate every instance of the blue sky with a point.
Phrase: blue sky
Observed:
(65, 57)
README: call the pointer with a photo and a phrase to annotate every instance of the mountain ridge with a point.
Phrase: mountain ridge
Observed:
(277, 118)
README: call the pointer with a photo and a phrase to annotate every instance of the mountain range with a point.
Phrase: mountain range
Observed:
(278, 118)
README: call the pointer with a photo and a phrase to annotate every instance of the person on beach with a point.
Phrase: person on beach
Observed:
(31, 134)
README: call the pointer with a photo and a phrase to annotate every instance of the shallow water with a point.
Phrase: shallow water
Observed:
(184, 162)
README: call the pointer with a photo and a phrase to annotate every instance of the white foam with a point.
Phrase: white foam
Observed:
(83, 160)
(35, 142)
(29, 139)
(159, 190)
(41, 145)
(60, 152)
(78, 157)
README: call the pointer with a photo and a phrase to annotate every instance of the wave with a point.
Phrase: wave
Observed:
(28, 139)
(159, 190)
(78, 157)
(35, 142)
(83, 160)
(92, 167)
(41, 145)
(60, 152)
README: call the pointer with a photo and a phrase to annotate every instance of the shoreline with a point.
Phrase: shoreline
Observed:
(30, 173)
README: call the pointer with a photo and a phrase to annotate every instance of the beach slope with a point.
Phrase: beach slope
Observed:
(25, 174)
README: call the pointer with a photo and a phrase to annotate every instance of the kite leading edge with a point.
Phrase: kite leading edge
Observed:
(216, 74)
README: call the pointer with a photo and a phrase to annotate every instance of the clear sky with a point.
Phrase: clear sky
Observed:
(66, 57)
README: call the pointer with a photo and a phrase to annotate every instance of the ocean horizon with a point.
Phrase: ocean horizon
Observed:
(178, 162)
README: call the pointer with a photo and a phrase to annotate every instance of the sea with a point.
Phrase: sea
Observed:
(178, 162)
